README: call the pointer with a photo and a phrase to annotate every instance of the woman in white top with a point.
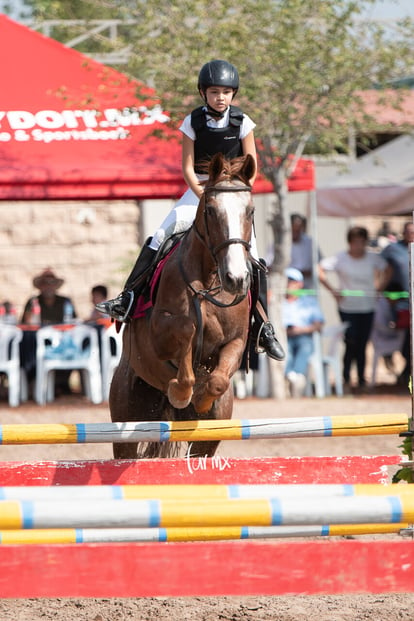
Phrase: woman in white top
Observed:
(360, 274)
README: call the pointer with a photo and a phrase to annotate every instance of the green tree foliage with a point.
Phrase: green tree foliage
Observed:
(302, 64)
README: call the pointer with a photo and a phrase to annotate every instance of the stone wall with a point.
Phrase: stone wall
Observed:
(86, 243)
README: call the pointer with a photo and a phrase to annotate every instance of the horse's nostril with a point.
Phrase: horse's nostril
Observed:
(236, 283)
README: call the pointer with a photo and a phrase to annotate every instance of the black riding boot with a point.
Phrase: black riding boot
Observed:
(263, 330)
(120, 307)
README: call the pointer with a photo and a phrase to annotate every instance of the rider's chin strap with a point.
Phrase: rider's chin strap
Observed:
(215, 113)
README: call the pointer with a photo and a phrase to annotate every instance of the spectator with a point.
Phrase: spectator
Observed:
(361, 275)
(7, 312)
(45, 309)
(385, 235)
(301, 316)
(398, 279)
(302, 250)
(385, 336)
(48, 307)
(99, 293)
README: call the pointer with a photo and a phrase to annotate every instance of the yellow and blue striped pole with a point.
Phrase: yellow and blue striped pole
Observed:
(194, 431)
(190, 492)
(187, 513)
(224, 533)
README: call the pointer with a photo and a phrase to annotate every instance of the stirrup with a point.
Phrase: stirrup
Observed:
(111, 307)
(257, 347)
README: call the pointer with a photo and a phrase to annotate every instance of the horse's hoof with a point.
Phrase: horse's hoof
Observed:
(203, 406)
(180, 405)
(176, 399)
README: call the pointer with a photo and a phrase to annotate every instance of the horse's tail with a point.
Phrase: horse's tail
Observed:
(151, 450)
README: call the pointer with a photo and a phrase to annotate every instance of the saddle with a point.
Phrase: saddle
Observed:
(146, 299)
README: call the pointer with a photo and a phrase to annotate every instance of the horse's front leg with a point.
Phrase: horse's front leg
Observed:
(180, 388)
(218, 380)
(173, 340)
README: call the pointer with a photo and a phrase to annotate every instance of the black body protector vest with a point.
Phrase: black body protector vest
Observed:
(209, 140)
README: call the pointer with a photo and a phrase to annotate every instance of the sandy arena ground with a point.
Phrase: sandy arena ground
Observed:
(398, 607)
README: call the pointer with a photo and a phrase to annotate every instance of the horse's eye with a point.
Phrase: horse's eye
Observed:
(209, 210)
(250, 212)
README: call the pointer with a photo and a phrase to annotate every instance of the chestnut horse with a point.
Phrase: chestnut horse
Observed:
(177, 363)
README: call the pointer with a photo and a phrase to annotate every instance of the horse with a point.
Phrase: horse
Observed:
(177, 362)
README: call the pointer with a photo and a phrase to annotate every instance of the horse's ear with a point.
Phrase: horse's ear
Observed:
(249, 167)
(216, 166)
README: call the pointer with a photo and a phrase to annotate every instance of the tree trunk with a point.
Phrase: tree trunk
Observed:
(280, 223)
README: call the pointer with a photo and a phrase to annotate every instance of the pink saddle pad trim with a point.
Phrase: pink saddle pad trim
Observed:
(143, 305)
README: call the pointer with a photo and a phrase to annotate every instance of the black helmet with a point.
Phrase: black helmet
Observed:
(218, 73)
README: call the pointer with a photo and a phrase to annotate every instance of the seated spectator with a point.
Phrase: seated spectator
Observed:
(48, 308)
(99, 293)
(7, 313)
(301, 317)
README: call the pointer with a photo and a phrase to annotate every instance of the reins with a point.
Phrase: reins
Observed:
(209, 294)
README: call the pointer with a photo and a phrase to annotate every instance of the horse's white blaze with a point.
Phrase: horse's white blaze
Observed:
(236, 261)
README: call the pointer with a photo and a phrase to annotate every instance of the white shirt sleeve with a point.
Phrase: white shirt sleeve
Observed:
(186, 127)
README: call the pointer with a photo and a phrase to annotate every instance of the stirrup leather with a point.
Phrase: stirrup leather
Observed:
(264, 320)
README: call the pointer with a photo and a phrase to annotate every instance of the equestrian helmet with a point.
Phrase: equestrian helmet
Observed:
(218, 73)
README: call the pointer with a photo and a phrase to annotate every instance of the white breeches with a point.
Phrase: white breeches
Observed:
(181, 217)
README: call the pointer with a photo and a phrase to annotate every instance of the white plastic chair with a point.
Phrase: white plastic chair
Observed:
(10, 337)
(111, 350)
(52, 355)
(327, 358)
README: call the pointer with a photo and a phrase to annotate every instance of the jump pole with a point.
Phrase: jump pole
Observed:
(73, 570)
(237, 512)
(58, 493)
(194, 431)
(167, 535)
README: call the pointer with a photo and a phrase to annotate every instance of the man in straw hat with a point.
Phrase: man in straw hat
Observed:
(45, 309)
(48, 307)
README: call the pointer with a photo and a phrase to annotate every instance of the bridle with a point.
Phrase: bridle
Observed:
(228, 242)
(209, 294)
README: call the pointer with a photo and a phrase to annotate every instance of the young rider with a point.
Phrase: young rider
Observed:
(215, 127)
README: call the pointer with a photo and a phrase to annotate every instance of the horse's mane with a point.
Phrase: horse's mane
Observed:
(229, 170)
(232, 169)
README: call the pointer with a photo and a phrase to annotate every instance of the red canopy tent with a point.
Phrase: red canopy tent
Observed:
(73, 128)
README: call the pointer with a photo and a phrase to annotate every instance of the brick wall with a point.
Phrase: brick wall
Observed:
(86, 243)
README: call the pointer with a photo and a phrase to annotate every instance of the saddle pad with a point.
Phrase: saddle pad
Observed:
(144, 301)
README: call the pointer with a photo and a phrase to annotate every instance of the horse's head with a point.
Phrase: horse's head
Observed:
(225, 219)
